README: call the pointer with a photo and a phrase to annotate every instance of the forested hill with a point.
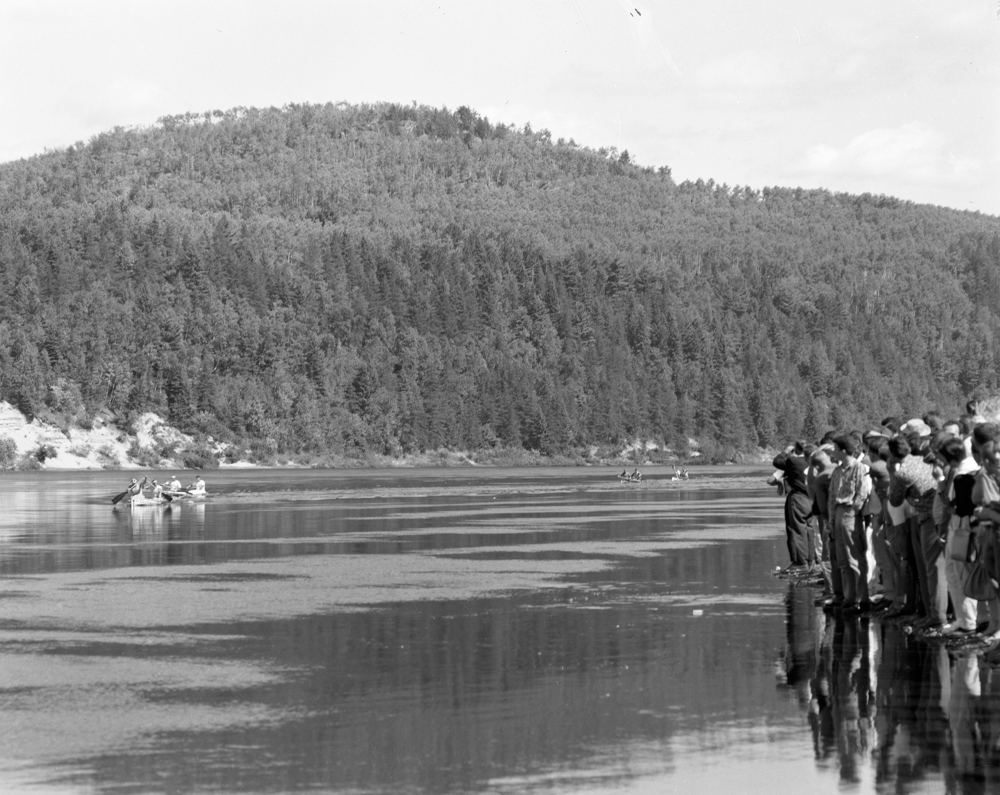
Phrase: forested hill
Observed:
(383, 279)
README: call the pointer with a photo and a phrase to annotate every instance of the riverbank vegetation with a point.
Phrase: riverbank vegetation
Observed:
(351, 281)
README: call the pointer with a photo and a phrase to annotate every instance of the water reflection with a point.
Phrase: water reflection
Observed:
(600, 639)
(471, 636)
(887, 708)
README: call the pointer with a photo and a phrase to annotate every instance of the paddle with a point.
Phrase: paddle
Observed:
(117, 499)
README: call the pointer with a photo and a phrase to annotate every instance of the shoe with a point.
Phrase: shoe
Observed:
(954, 629)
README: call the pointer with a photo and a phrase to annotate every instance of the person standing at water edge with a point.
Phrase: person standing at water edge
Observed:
(878, 470)
(915, 483)
(798, 506)
(850, 487)
(960, 483)
(823, 468)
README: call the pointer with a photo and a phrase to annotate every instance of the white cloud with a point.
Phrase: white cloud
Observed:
(912, 152)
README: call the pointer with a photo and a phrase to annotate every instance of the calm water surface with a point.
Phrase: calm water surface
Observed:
(454, 631)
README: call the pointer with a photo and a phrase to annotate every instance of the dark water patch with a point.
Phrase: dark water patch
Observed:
(554, 554)
(460, 692)
(222, 577)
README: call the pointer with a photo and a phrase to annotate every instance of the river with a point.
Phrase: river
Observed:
(453, 631)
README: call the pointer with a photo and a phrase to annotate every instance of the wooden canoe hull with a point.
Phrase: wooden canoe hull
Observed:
(143, 502)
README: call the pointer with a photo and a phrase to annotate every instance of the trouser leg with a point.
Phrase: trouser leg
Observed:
(824, 561)
(905, 584)
(836, 581)
(845, 536)
(932, 549)
(818, 549)
(862, 545)
(919, 563)
(955, 573)
(883, 559)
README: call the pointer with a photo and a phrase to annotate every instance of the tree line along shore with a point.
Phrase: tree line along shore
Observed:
(341, 282)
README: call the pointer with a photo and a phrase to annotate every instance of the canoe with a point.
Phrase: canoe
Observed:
(143, 501)
(186, 493)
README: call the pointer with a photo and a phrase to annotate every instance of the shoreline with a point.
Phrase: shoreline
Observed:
(151, 444)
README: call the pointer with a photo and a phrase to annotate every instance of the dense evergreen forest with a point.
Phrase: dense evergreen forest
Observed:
(384, 279)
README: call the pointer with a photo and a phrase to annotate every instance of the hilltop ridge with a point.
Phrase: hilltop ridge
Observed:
(381, 280)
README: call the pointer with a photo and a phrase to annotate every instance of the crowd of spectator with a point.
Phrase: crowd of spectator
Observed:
(902, 521)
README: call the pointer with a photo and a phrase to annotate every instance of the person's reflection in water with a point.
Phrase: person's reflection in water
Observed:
(851, 694)
(966, 738)
(914, 692)
(876, 693)
(989, 727)
(821, 718)
(803, 633)
(807, 665)
(932, 715)
(894, 673)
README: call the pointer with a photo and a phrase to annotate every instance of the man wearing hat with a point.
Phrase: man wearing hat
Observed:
(916, 427)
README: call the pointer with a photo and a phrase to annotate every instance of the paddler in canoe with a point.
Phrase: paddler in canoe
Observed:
(134, 490)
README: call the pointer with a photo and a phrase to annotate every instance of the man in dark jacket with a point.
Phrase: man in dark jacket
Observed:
(798, 505)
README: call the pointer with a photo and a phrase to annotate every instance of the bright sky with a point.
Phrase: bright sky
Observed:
(886, 96)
